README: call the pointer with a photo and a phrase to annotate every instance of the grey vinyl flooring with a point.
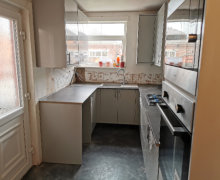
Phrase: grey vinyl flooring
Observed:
(114, 154)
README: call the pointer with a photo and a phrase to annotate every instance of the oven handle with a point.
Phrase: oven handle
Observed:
(174, 130)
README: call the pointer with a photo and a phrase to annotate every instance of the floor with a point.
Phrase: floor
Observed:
(114, 154)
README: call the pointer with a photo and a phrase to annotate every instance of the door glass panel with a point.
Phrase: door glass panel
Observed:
(9, 80)
(178, 51)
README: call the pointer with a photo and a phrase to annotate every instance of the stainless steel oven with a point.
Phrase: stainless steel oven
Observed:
(182, 54)
(177, 114)
(175, 145)
(183, 43)
(183, 33)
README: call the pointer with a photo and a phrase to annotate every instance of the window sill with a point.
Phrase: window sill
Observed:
(98, 67)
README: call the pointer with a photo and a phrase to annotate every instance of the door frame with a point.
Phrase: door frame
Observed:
(25, 8)
(13, 12)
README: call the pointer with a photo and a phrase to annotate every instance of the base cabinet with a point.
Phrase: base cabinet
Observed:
(113, 107)
(128, 107)
(61, 133)
(149, 148)
(108, 108)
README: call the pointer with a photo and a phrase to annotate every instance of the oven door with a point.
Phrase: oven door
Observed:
(175, 145)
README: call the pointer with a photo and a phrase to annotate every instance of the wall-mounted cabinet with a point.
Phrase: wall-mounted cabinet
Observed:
(49, 27)
(160, 33)
(59, 33)
(151, 37)
(76, 38)
(146, 31)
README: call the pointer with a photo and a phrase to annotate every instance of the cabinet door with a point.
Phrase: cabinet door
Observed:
(50, 33)
(93, 110)
(127, 106)
(149, 149)
(108, 106)
(160, 35)
(87, 120)
(146, 38)
(152, 157)
(82, 37)
(137, 108)
(97, 116)
(72, 32)
(144, 131)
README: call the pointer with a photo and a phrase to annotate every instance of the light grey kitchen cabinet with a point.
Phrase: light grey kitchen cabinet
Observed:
(87, 120)
(146, 32)
(93, 110)
(149, 148)
(82, 37)
(61, 132)
(49, 28)
(153, 157)
(113, 107)
(108, 105)
(160, 33)
(72, 32)
(98, 106)
(144, 131)
(128, 111)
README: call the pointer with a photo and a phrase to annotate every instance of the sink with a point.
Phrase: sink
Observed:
(129, 86)
(109, 84)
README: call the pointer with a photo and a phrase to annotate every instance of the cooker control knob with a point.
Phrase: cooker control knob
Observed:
(165, 94)
(179, 108)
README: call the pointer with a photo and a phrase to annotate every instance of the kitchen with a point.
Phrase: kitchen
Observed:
(109, 90)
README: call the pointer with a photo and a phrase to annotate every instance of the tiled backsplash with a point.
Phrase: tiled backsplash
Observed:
(48, 81)
(93, 76)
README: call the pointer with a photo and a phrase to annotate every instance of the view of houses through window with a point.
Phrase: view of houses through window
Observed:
(95, 43)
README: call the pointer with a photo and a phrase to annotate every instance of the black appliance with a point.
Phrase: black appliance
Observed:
(175, 146)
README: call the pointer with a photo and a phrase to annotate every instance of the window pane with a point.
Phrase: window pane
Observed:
(105, 29)
(71, 30)
(105, 51)
(9, 86)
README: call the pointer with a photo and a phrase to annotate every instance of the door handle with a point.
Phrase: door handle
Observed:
(173, 130)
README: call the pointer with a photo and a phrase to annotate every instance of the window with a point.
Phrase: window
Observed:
(170, 53)
(97, 42)
(9, 71)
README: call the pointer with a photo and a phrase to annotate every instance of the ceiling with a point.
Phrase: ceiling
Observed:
(119, 5)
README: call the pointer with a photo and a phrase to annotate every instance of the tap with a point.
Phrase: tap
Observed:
(121, 69)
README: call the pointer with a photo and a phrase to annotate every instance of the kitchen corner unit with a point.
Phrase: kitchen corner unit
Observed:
(64, 126)
(68, 117)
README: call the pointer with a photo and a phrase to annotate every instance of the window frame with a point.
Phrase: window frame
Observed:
(108, 37)
(102, 20)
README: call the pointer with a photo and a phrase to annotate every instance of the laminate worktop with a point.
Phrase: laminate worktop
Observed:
(74, 94)
(152, 112)
(79, 93)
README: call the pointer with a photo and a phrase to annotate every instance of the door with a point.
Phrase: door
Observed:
(127, 111)
(15, 157)
(175, 146)
(146, 28)
(160, 35)
(108, 106)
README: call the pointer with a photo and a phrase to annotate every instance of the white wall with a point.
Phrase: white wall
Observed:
(48, 80)
(143, 73)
